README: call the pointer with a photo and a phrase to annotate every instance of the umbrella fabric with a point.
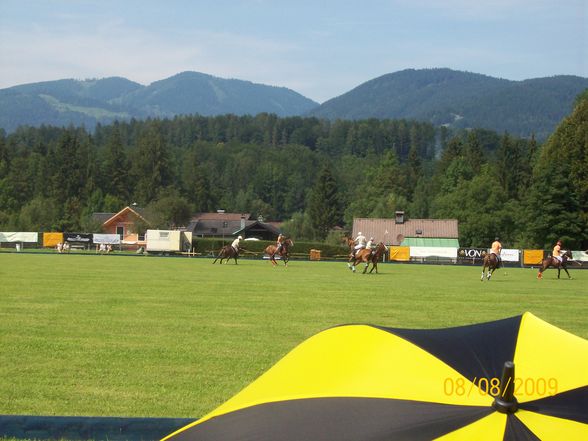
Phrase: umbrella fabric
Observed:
(363, 382)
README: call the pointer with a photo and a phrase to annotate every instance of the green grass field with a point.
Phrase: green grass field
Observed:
(175, 337)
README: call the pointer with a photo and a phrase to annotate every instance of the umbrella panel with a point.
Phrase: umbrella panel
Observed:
(341, 419)
(475, 351)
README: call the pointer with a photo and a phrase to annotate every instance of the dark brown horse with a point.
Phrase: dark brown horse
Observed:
(284, 253)
(227, 252)
(491, 263)
(368, 256)
(555, 263)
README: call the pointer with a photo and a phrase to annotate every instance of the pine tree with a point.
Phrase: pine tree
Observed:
(473, 153)
(507, 165)
(116, 166)
(452, 150)
(324, 207)
(414, 171)
(203, 200)
(67, 168)
(151, 165)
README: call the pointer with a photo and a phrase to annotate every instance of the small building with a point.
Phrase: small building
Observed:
(259, 230)
(124, 223)
(223, 224)
(409, 232)
(218, 224)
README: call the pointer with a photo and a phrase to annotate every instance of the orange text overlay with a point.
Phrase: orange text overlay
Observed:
(491, 386)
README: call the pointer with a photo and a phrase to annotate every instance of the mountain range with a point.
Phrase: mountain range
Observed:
(461, 100)
(441, 96)
(87, 102)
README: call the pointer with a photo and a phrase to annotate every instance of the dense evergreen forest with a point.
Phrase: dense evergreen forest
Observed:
(312, 173)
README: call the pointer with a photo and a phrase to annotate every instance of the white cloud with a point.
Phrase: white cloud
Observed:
(115, 49)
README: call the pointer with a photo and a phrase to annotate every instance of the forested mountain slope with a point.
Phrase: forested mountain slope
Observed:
(88, 102)
(461, 100)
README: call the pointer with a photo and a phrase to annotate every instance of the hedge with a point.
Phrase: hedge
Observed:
(211, 246)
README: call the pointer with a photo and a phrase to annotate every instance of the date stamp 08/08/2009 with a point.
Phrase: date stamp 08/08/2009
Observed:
(540, 386)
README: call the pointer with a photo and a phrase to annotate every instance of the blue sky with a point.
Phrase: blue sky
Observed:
(320, 49)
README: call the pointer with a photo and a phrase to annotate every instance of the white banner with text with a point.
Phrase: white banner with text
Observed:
(448, 252)
(111, 239)
(509, 255)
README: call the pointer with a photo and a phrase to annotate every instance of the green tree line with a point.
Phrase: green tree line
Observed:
(311, 173)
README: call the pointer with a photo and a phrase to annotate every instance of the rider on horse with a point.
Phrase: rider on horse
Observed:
(235, 244)
(370, 245)
(495, 249)
(558, 260)
(360, 243)
(556, 253)
(279, 245)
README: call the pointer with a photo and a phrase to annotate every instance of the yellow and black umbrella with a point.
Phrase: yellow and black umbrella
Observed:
(362, 382)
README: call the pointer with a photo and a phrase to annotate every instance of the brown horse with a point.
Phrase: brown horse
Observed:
(284, 253)
(227, 252)
(368, 256)
(350, 242)
(552, 261)
(491, 263)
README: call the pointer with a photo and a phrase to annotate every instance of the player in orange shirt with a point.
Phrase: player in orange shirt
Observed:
(495, 249)
(557, 251)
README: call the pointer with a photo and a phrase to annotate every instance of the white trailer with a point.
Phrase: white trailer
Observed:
(168, 241)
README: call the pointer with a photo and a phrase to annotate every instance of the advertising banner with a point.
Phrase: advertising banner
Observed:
(52, 239)
(108, 239)
(475, 254)
(580, 255)
(400, 254)
(532, 257)
(82, 238)
(19, 237)
(581, 258)
(448, 252)
(509, 255)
